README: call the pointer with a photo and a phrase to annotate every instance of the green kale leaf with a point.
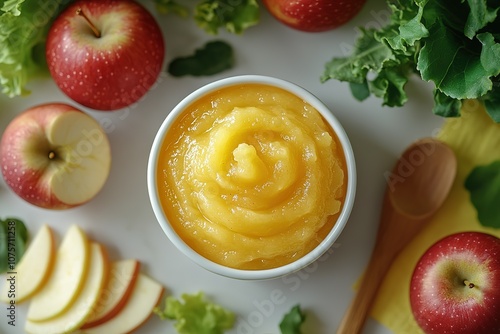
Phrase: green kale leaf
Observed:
(451, 67)
(453, 44)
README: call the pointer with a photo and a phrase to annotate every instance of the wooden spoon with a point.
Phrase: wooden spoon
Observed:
(416, 188)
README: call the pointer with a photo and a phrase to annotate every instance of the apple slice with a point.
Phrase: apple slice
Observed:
(145, 296)
(116, 293)
(76, 315)
(67, 278)
(85, 149)
(33, 271)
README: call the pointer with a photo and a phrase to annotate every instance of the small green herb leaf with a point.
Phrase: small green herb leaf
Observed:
(483, 184)
(196, 315)
(292, 321)
(13, 239)
(214, 57)
(360, 91)
(3, 249)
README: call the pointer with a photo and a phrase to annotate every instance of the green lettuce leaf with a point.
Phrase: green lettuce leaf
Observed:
(234, 16)
(483, 184)
(292, 321)
(196, 315)
(23, 29)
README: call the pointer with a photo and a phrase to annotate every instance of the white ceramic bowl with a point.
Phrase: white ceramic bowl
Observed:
(265, 273)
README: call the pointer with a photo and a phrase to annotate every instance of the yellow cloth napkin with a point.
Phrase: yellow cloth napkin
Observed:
(475, 138)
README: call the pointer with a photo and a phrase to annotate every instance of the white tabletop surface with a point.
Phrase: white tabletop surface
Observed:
(121, 216)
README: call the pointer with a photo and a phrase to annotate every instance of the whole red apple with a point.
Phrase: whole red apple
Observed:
(455, 287)
(55, 156)
(314, 15)
(105, 54)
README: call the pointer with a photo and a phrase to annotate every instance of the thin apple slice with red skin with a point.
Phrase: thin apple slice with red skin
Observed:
(66, 280)
(116, 293)
(34, 268)
(55, 156)
(145, 297)
(455, 287)
(71, 319)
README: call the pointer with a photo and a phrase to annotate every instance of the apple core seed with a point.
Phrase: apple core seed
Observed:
(469, 284)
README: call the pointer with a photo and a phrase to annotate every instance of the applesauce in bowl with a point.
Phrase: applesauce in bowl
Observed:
(252, 177)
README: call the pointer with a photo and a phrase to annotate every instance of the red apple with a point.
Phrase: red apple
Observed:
(455, 287)
(314, 15)
(105, 54)
(55, 156)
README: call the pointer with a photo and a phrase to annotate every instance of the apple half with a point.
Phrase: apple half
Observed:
(71, 319)
(66, 280)
(34, 269)
(55, 156)
(145, 297)
(116, 293)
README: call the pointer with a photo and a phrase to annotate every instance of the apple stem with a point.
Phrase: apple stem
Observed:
(469, 284)
(52, 155)
(96, 31)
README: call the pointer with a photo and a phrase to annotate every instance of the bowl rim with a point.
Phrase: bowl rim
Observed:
(245, 274)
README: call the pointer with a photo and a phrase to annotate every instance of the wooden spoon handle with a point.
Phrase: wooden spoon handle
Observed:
(357, 312)
(392, 237)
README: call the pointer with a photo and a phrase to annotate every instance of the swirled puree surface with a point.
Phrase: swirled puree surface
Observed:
(251, 177)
